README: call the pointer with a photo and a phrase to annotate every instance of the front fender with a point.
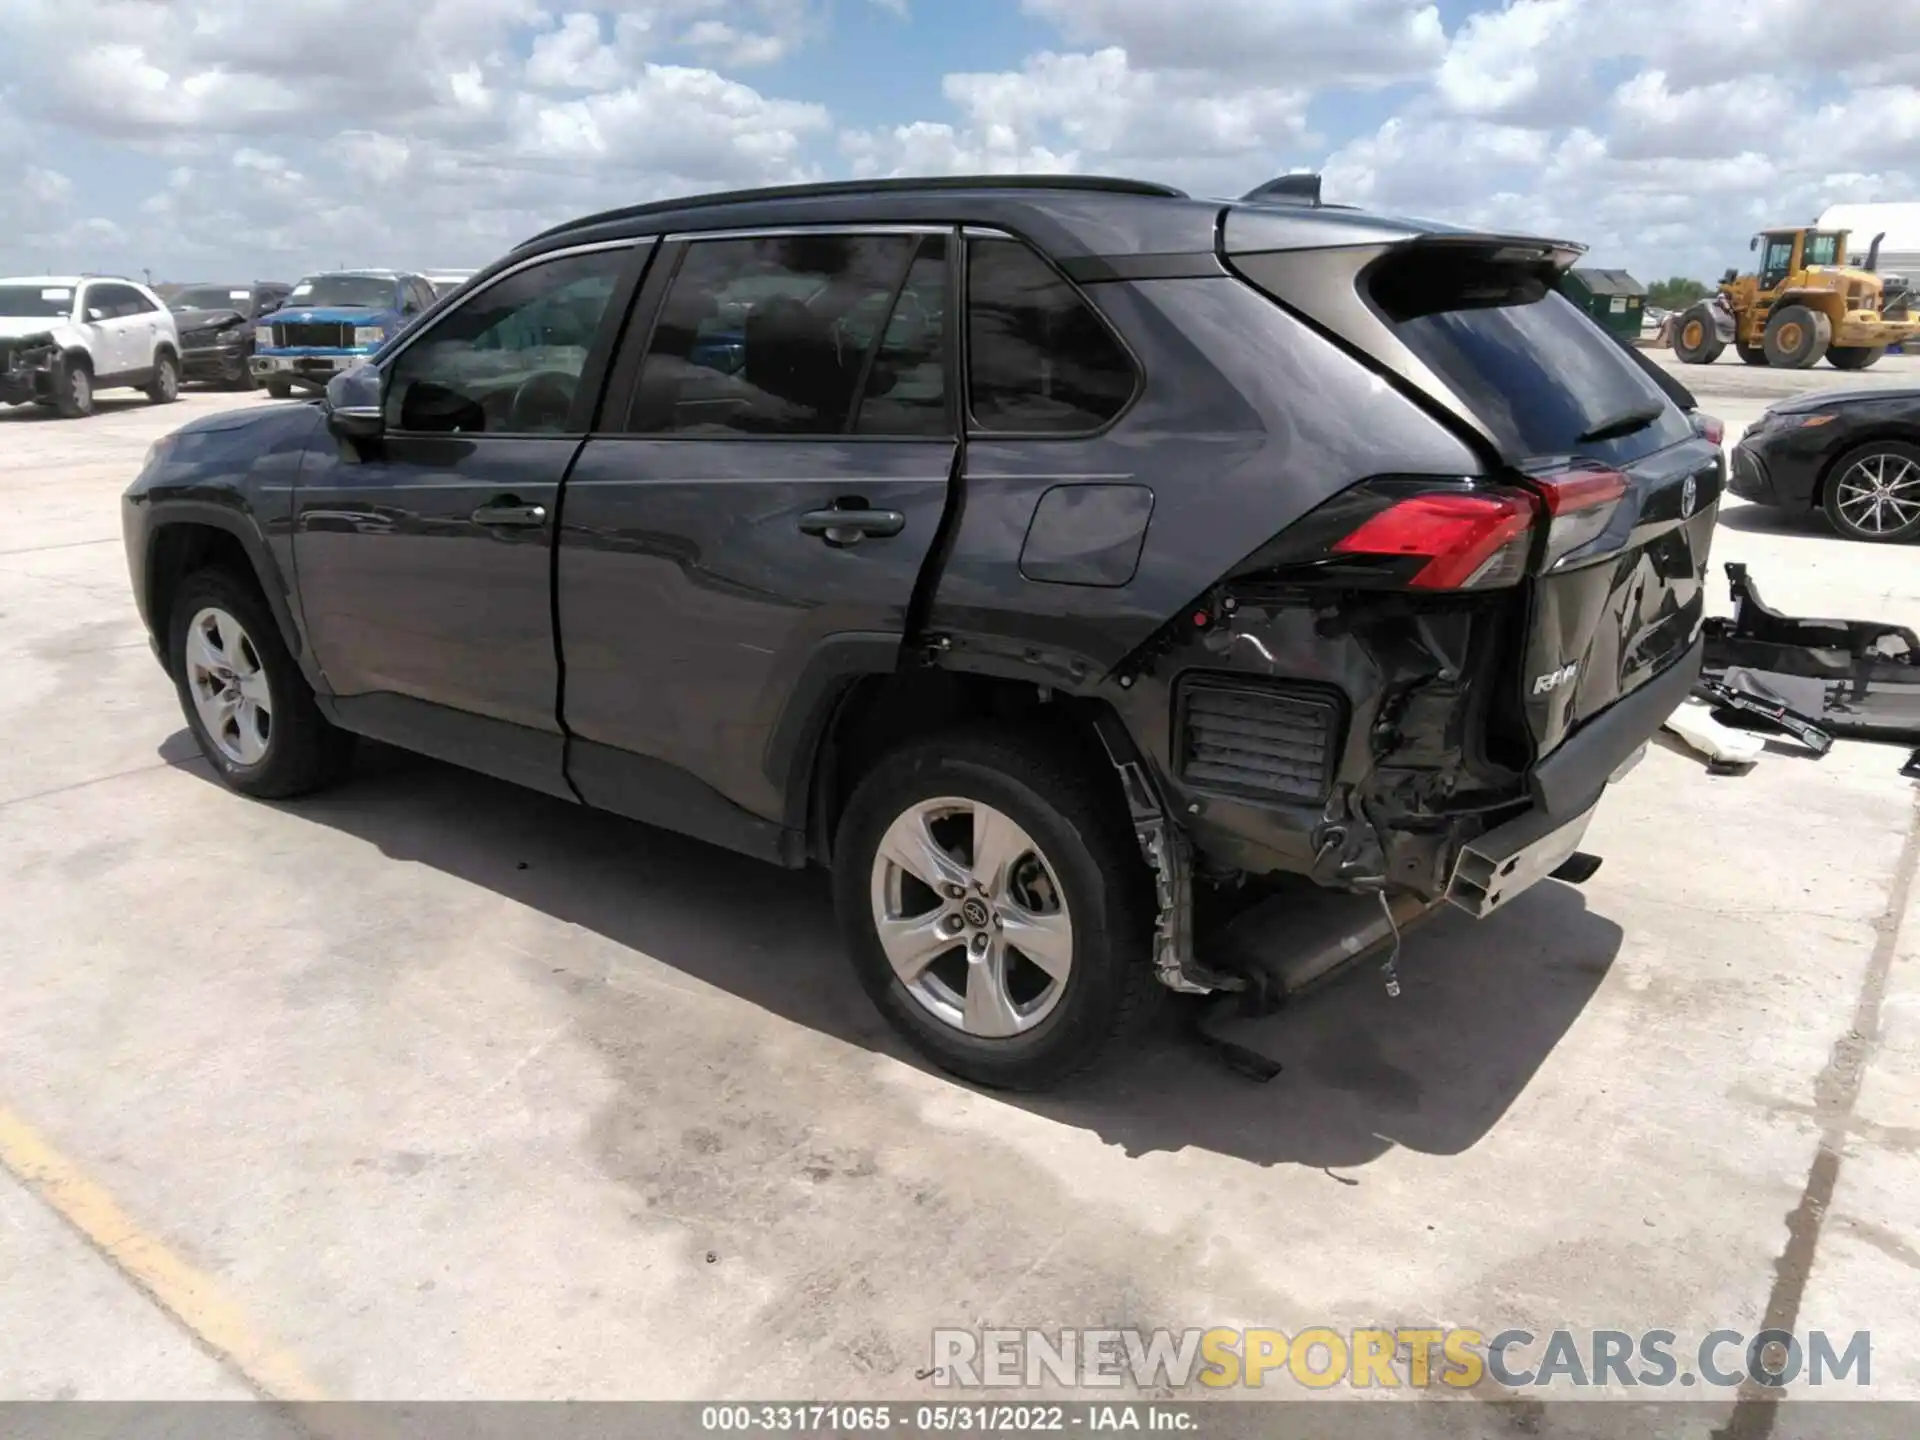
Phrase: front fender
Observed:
(237, 482)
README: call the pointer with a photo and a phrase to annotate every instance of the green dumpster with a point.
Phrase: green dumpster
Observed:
(1613, 298)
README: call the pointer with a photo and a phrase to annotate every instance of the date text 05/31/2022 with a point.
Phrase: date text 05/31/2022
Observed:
(944, 1418)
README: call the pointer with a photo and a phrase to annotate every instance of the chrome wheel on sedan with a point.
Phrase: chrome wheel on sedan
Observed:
(1875, 493)
(972, 917)
(229, 687)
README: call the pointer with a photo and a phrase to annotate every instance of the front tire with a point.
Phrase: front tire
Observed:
(165, 386)
(280, 389)
(1854, 357)
(1873, 492)
(1796, 337)
(1696, 340)
(996, 907)
(73, 390)
(246, 702)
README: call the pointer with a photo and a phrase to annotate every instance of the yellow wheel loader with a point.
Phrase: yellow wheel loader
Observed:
(1806, 302)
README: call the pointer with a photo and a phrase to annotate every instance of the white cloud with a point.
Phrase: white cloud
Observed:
(1283, 42)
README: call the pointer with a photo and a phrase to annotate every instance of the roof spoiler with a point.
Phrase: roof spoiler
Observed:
(1302, 188)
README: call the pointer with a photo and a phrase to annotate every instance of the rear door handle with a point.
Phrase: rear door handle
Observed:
(510, 512)
(845, 527)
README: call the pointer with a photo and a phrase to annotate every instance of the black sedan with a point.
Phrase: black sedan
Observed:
(216, 328)
(1854, 454)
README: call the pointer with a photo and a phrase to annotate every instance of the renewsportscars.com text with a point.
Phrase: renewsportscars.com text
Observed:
(1320, 1358)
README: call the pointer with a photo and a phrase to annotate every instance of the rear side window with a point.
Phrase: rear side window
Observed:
(1541, 376)
(1040, 361)
(777, 335)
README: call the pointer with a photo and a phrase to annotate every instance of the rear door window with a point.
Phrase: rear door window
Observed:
(1040, 359)
(775, 335)
(1542, 377)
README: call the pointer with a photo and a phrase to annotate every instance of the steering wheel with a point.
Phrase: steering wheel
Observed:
(542, 401)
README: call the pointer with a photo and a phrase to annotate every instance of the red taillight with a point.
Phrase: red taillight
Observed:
(1581, 501)
(1708, 427)
(1567, 491)
(1466, 540)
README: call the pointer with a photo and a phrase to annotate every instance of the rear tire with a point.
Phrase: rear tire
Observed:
(1752, 354)
(1873, 492)
(1854, 357)
(280, 389)
(165, 387)
(1064, 869)
(1796, 337)
(246, 702)
(1695, 339)
(73, 389)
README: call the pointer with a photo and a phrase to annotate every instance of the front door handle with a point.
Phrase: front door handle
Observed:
(846, 527)
(510, 512)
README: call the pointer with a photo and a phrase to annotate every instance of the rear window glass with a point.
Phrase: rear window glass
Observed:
(1536, 372)
(1040, 360)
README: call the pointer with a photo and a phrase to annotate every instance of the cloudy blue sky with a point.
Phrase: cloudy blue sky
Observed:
(218, 138)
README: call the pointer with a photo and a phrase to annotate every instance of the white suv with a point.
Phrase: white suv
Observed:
(65, 337)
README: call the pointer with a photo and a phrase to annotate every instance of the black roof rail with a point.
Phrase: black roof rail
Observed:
(1302, 188)
(829, 188)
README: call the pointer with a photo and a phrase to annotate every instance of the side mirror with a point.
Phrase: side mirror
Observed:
(1754, 243)
(353, 404)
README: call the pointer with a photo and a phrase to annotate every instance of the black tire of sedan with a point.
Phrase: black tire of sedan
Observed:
(280, 389)
(73, 389)
(165, 388)
(1873, 492)
(1028, 959)
(1696, 340)
(246, 702)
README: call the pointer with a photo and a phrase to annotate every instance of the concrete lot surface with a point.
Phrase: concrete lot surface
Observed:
(433, 1088)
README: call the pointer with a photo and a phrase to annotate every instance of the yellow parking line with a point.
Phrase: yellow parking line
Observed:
(194, 1299)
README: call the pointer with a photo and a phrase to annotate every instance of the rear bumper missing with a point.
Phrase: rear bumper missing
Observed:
(1502, 864)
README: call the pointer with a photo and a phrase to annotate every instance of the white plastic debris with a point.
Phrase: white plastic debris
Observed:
(1723, 746)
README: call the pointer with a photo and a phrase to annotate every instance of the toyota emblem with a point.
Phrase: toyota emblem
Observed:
(1688, 493)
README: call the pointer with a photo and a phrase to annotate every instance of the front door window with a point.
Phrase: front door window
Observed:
(509, 360)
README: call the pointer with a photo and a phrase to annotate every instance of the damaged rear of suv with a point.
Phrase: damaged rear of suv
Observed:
(1050, 558)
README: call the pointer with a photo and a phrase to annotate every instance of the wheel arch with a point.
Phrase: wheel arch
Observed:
(186, 536)
(870, 714)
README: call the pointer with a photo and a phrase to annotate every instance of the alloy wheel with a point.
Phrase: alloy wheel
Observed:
(972, 917)
(229, 687)
(1880, 494)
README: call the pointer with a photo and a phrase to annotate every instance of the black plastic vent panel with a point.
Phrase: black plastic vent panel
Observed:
(1261, 741)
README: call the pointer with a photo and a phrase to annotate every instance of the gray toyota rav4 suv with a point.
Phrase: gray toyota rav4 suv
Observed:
(1042, 556)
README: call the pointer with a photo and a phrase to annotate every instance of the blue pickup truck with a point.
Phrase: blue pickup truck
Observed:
(333, 322)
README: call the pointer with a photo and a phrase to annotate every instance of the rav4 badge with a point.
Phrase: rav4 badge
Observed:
(1546, 684)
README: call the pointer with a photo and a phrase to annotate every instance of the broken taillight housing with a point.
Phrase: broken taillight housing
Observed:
(1581, 501)
(1449, 539)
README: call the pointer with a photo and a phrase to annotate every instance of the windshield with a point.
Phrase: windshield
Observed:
(369, 292)
(1539, 374)
(212, 297)
(1823, 250)
(55, 302)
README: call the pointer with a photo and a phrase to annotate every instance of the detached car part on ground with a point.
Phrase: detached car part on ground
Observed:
(1239, 542)
(1853, 455)
(65, 338)
(1854, 678)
